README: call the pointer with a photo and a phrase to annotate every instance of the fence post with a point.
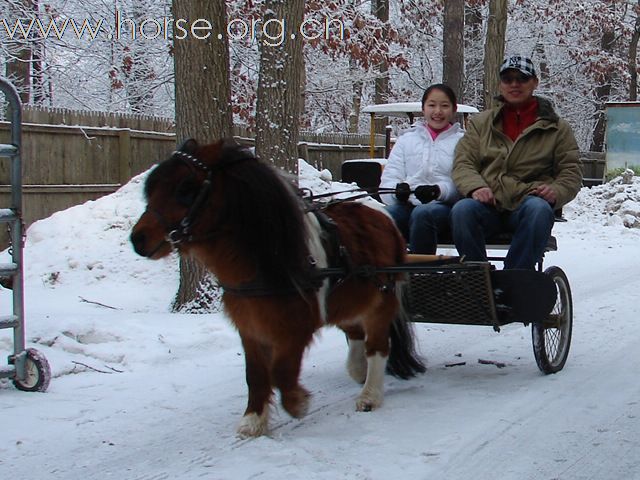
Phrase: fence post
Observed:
(303, 151)
(124, 147)
(387, 141)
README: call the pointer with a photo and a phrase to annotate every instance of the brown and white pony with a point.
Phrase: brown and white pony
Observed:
(245, 222)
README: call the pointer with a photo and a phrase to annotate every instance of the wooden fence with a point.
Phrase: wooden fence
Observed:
(66, 165)
(326, 150)
(594, 168)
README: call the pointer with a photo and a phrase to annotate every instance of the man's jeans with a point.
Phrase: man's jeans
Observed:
(472, 222)
(421, 224)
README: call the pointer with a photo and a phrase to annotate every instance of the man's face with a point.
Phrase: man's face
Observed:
(516, 87)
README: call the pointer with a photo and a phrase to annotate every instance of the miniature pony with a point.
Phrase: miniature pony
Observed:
(246, 223)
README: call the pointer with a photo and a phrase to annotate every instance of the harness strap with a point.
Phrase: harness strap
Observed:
(259, 288)
(308, 195)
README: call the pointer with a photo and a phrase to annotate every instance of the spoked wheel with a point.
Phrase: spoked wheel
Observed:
(38, 373)
(552, 338)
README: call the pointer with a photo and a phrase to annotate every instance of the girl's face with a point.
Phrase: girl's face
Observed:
(438, 110)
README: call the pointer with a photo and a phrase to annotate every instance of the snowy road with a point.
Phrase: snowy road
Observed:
(173, 412)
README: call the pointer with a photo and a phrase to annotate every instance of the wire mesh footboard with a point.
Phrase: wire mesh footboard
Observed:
(458, 294)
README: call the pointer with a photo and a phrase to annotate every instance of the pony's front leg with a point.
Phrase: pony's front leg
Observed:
(255, 421)
(285, 371)
(372, 394)
(357, 358)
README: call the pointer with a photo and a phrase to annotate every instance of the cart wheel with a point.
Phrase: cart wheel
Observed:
(551, 338)
(38, 373)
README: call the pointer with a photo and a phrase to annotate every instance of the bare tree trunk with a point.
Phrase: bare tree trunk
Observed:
(38, 83)
(494, 49)
(202, 99)
(633, 62)
(603, 91)
(543, 71)
(453, 46)
(19, 72)
(137, 66)
(380, 8)
(18, 68)
(473, 53)
(279, 84)
(354, 116)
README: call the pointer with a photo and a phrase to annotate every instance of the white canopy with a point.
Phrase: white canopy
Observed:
(401, 109)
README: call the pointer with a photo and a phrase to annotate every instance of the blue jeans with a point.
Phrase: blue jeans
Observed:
(421, 224)
(472, 222)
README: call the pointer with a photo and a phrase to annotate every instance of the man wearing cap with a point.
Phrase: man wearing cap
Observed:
(515, 165)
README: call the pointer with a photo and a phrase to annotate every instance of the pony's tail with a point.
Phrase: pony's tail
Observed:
(404, 362)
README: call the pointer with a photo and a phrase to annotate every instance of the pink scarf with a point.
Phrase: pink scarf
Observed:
(434, 133)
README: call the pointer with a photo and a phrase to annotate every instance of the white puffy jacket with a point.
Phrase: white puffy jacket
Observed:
(417, 159)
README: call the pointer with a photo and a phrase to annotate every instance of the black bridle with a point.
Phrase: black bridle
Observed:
(182, 232)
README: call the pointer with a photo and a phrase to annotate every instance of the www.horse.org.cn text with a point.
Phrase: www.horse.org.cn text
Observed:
(272, 32)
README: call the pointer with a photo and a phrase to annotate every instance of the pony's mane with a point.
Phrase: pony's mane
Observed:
(263, 214)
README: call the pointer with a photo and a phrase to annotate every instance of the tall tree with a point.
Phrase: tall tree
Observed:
(202, 98)
(280, 84)
(473, 52)
(603, 89)
(380, 10)
(633, 56)
(137, 66)
(494, 48)
(453, 46)
(18, 65)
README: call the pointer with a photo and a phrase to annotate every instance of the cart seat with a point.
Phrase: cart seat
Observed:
(502, 241)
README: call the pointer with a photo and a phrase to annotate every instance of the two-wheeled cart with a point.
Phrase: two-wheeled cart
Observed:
(27, 367)
(475, 293)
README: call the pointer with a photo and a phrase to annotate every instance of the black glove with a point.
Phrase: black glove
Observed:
(426, 193)
(403, 190)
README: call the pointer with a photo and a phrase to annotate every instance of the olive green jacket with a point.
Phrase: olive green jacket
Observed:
(545, 153)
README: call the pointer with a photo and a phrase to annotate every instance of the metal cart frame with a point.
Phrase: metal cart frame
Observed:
(28, 368)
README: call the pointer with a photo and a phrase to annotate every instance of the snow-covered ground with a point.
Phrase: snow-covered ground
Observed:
(140, 393)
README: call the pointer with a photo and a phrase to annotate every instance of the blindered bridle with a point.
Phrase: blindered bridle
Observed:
(183, 231)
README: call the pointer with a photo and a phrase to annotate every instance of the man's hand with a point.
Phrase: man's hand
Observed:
(546, 192)
(484, 195)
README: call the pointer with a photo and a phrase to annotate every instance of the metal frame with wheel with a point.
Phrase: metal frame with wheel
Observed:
(28, 368)
(471, 293)
(552, 338)
(474, 293)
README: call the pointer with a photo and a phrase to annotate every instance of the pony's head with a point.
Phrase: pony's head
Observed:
(176, 192)
(221, 194)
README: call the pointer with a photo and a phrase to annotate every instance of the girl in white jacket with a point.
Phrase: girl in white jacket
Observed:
(419, 168)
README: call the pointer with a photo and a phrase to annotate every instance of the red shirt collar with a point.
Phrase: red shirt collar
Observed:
(516, 119)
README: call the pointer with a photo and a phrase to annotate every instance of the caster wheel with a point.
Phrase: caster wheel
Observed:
(38, 373)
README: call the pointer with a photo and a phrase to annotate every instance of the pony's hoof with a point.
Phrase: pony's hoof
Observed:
(296, 402)
(253, 425)
(366, 404)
